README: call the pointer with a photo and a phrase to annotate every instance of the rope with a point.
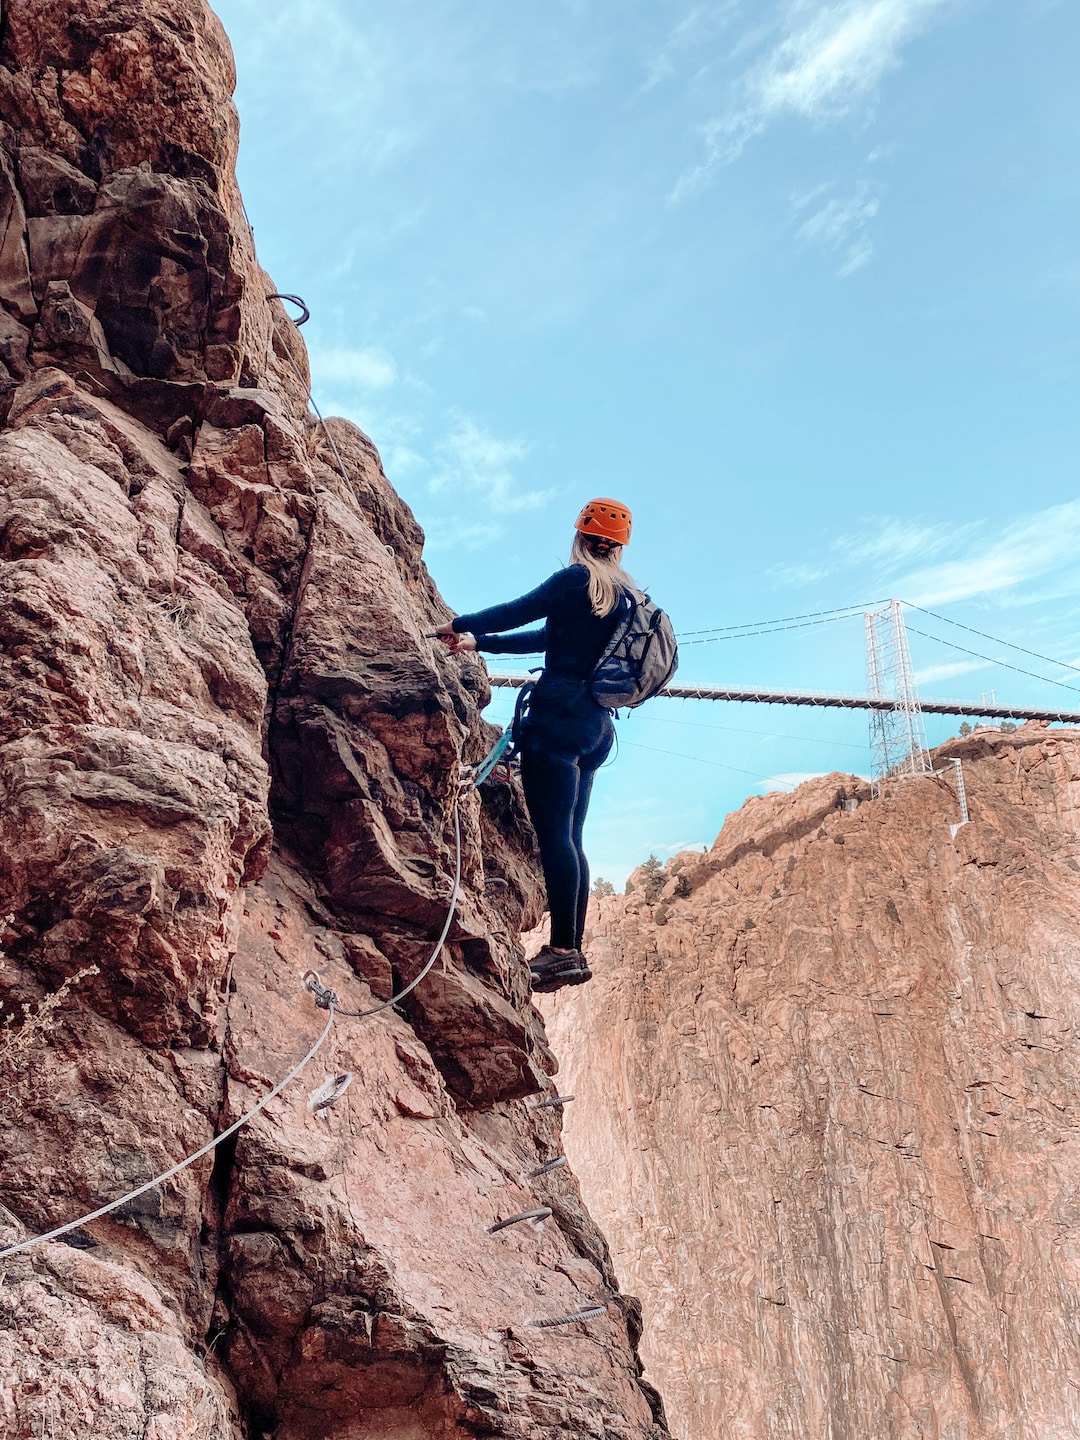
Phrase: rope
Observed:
(181, 1164)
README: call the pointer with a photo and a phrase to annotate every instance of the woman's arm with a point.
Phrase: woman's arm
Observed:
(515, 613)
(525, 642)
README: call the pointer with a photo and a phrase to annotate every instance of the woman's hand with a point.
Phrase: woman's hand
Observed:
(455, 643)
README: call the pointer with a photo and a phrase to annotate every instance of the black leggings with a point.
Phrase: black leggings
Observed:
(557, 790)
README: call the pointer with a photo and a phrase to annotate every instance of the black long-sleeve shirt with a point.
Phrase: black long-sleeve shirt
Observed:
(573, 638)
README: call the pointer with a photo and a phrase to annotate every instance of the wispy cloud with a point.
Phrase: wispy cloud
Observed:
(891, 543)
(882, 545)
(930, 674)
(470, 458)
(841, 227)
(365, 367)
(971, 561)
(461, 535)
(829, 60)
(1030, 548)
(701, 24)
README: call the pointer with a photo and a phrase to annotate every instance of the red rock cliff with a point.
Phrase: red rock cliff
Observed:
(228, 755)
(827, 1080)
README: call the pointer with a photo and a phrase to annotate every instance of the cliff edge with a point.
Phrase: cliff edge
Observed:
(228, 756)
(827, 1079)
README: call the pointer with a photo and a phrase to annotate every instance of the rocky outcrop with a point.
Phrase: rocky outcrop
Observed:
(229, 755)
(827, 1106)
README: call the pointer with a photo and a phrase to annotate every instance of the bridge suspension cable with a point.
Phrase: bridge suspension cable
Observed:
(1023, 650)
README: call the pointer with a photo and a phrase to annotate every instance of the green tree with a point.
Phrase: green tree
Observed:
(652, 877)
(602, 887)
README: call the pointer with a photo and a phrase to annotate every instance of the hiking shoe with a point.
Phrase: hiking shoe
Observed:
(551, 971)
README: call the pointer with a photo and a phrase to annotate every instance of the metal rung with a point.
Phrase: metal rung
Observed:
(553, 1102)
(588, 1314)
(541, 1213)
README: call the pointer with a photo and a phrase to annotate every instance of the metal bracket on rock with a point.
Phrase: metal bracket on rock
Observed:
(325, 998)
(293, 300)
(589, 1313)
(546, 1168)
(552, 1102)
(541, 1213)
(329, 1092)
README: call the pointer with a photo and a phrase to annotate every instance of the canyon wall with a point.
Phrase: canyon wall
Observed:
(229, 755)
(828, 1110)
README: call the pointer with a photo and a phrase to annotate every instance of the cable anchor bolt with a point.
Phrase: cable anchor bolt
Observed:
(325, 998)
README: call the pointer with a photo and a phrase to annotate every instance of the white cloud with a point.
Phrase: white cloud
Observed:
(932, 673)
(402, 460)
(840, 226)
(680, 846)
(461, 535)
(470, 458)
(1034, 546)
(973, 560)
(891, 542)
(883, 544)
(364, 367)
(702, 23)
(830, 59)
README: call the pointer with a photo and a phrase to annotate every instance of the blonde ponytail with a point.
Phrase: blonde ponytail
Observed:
(607, 578)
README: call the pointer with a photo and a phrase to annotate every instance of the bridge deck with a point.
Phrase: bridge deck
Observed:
(760, 696)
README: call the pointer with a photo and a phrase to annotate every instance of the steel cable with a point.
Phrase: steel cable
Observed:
(327, 1000)
(181, 1164)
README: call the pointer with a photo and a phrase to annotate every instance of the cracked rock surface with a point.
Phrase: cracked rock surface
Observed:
(828, 1085)
(229, 755)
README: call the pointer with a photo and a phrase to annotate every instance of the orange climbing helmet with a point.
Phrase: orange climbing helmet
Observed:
(608, 519)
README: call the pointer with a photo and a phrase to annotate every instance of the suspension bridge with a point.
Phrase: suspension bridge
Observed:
(897, 739)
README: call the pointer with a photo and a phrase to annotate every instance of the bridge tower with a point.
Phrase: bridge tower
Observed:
(897, 735)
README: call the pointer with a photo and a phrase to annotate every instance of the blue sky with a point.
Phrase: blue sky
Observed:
(798, 280)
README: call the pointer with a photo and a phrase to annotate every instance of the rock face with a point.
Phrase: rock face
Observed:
(827, 1080)
(228, 756)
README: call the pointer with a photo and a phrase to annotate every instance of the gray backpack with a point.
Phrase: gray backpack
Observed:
(641, 656)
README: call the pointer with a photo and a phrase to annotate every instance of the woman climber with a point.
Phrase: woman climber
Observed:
(566, 735)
